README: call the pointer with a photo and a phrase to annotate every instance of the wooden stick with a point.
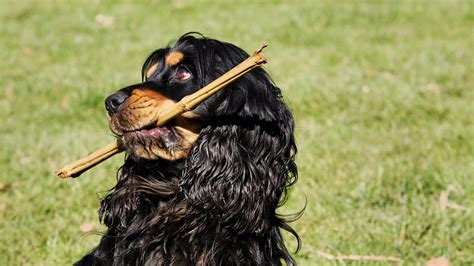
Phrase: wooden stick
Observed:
(188, 103)
(78, 167)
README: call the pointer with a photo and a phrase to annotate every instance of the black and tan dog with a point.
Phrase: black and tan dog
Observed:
(203, 189)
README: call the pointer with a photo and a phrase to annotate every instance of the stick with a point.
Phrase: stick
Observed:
(188, 103)
(78, 167)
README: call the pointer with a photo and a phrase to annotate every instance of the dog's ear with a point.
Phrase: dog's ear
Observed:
(243, 162)
(153, 62)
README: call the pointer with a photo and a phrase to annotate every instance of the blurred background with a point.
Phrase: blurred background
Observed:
(382, 93)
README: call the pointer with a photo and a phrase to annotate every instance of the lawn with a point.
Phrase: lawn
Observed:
(382, 93)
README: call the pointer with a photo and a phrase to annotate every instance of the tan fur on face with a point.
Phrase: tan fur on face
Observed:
(151, 70)
(174, 58)
(142, 109)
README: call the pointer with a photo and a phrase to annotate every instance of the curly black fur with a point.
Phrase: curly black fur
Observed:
(218, 205)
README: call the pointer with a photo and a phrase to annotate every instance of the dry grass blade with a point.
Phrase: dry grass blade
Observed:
(357, 257)
(189, 102)
(445, 203)
(438, 262)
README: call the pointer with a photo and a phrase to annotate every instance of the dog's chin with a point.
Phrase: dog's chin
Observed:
(155, 143)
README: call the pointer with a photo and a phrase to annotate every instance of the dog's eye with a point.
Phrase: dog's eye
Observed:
(182, 74)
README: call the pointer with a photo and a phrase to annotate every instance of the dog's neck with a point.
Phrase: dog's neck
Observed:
(143, 187)
(164, 167)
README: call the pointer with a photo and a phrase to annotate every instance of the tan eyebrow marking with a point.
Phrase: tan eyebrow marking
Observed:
(174, 58)
(151, 70)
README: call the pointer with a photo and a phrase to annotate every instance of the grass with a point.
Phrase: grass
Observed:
(382, 92)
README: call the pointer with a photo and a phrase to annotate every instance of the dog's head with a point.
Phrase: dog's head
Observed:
(169, 74)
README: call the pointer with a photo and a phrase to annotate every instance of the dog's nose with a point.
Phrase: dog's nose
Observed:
(113, 102)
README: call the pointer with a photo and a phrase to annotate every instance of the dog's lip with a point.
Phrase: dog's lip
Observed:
(152, 131)
(119, 130)
(163, 133)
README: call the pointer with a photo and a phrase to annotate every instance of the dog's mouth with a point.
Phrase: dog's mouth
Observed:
(170, 142)
(164, 132)
(161, 136)
(135, 124)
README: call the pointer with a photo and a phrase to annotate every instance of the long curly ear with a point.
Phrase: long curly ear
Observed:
(243, 162)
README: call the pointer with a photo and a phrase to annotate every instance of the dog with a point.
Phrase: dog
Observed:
(204, 188)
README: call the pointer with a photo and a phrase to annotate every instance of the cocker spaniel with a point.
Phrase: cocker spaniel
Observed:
(203, 189)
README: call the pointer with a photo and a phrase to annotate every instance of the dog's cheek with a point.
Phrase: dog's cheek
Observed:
(188, 137)
(142, 108)
(138, 115)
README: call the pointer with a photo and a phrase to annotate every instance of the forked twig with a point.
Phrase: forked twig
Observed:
(188, 103)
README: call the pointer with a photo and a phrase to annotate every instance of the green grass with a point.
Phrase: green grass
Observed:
(382, 92)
